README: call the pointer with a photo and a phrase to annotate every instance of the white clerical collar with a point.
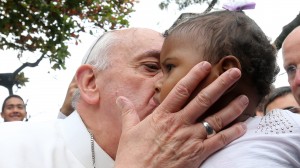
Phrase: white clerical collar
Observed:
(78, 140)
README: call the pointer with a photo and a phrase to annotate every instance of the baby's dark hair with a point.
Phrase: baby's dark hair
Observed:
(222, 33)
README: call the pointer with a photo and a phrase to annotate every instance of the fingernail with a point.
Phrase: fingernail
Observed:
(244, 126)
(234, 73)
(205, 66)
(120, 102)
(244, 100)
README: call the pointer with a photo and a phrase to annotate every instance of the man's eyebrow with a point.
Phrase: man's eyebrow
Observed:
(149, 54)
(152, 53)
(14, 104)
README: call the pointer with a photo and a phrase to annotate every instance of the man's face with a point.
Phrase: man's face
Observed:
(14, 110)
(291, 61)
(133, 70)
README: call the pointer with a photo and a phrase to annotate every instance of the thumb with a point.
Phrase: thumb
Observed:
(130, 117)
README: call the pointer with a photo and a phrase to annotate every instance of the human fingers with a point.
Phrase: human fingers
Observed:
(129, 116)
(209, 95)
(183, 89)
(191, 151)
(217, 121)
(128, 149)
(228, 114)
(67, 108)
(73, 84)
(222, 139)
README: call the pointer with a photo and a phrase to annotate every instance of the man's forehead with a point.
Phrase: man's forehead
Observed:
(14, 100)
(293, 37)
(296, 32)
(155, 54)
(138, 44)
(11, 104)
(139, 37)
(137, 31)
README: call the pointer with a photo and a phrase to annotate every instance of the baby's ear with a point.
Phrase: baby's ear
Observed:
(225, 64)
(228, 62)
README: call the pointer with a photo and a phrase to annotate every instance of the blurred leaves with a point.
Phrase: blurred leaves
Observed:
(46, 25)
(20, 79)
(181, 3)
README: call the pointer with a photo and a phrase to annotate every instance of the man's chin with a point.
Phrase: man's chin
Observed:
(15, 119)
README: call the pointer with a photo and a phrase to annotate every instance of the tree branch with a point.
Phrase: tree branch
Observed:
(286, 31)
(210, 6)
(27, 64)
(8, 80)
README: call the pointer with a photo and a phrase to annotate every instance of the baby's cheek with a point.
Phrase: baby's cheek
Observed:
(162, 96)
(166, 89)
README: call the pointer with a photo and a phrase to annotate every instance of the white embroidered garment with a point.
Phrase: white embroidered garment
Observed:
(55, 144)
(272, 141)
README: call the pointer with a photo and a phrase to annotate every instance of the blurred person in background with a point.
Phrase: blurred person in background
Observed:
(66, 109)
(291, 61)
(281, 98)
(13, 109)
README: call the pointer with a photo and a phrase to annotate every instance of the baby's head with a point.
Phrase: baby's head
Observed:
(226, 39)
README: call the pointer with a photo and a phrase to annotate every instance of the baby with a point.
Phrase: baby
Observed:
(230, 39)
(225, 39)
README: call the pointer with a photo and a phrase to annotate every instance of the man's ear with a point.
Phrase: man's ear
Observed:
(228, 62)
(86, 81)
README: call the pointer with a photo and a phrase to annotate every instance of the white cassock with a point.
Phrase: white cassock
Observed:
(272, 141)
(54, 144)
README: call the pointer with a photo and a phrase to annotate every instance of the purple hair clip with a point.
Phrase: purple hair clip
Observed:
(238, 5)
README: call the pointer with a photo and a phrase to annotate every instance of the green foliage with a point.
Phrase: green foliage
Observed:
(20, 79)
(46, 25)
(181, 3)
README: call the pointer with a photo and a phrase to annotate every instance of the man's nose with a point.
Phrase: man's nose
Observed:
(16, 111)
(297, 77)
(158, 85)
(159, 75)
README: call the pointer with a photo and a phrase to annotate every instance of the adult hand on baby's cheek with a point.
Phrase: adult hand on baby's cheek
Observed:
(130, 153)
(159, 141)
(170, 136)
(143, 144)
(150, 143)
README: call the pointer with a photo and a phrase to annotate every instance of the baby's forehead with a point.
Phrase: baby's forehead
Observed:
(176, 41)
(183, 46)
(182, 36)
(192, 39)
